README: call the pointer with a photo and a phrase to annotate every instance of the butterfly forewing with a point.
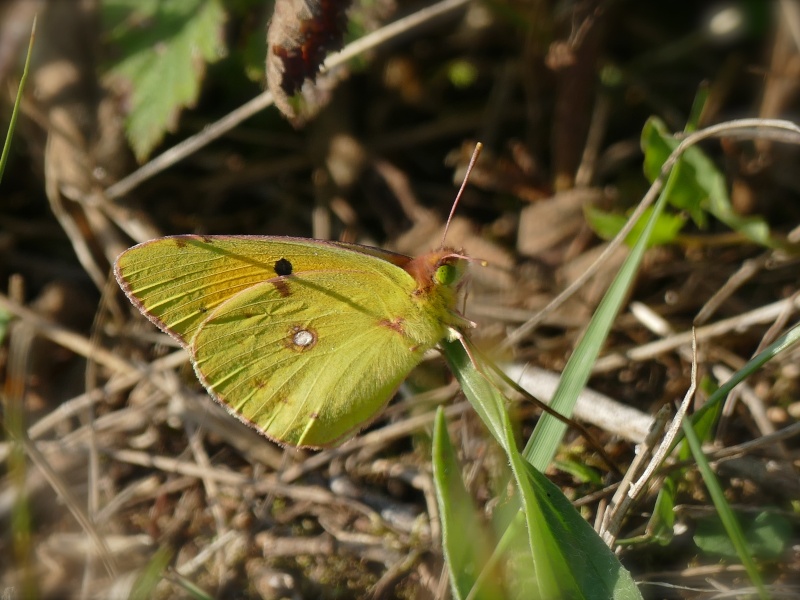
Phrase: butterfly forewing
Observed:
(177, 281)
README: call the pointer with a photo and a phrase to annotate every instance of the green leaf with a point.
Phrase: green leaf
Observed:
(662, 525)
(564, 562)
(580, 471)
(5, 321)
(705, 418)
(607, 225)
(662, 522)
(767, 536)
(703, 422)
(687, 193)
(597, 571)
(465, 540)
(165, 46)
(553, 574)
(700, 187)
(484, 397)
(699, 104)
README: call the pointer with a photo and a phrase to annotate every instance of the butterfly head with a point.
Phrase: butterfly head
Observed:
(444, 268)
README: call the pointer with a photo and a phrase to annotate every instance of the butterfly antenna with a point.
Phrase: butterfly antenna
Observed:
(472, 161)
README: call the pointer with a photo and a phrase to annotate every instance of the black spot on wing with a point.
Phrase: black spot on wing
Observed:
(283, 267)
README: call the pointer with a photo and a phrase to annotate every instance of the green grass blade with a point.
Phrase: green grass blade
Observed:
(702, 423)
(15, 112)
(553, 575)
(465, 540)
(698, 105)
(152, 573)
(546, 437)
(787, 340)
(193, 590)
(724, 510)
(566, 565)
(705, 419)
(21, 553)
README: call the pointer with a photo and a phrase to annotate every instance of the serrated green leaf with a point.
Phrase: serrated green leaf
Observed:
(165, 47)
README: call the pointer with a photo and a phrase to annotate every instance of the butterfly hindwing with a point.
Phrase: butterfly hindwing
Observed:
(309, 358)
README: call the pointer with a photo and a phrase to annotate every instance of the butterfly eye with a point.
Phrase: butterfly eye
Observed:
(445, 274)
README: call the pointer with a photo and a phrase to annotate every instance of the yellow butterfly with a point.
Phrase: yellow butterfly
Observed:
(305, 340)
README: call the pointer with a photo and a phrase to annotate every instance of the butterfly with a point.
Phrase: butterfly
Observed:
(305, 340)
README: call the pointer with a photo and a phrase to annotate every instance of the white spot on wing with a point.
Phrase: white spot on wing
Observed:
(303, 338)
